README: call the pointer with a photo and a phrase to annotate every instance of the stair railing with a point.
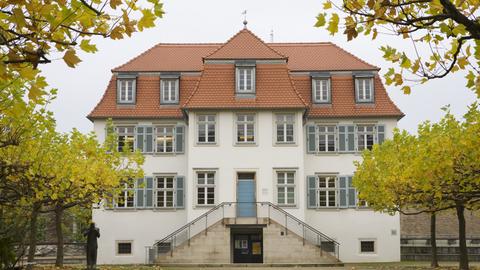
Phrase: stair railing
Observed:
(229, 210)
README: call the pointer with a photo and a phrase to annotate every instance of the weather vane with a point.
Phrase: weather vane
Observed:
(244, 13)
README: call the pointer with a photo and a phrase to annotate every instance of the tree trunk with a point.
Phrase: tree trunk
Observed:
(462, 237)
(433, 239)
(32, 236)
(58, 230)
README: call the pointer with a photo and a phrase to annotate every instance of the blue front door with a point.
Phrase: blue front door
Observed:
(246, 197)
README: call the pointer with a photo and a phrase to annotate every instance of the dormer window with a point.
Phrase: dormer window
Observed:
(245, 77)
(321, 90)
(169, 91)
(364, 89)
(126, 90)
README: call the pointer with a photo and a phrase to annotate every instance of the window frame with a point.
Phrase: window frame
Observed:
(285, 185)
(117, 242)
(327, 190)
(245, 128)
(126, 134)
(364, 134)
(206, 122)
(325, 134)
(285, 122)
(238, 78)
(315, 97)
(156, 134)
(126, 193)
(364, 78)
(176, 91)
(205, 186)
(126, 101)
(164, 190)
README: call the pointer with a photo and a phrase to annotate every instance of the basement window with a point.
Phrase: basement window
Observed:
(124, 247)
(367, 246)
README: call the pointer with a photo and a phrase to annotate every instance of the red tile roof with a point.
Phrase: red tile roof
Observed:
(216, 89)
(343, 99)
(277, 85)
(245, 45)
(147, 100)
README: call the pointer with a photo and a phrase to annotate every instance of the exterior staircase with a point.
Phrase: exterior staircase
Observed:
(207, 239)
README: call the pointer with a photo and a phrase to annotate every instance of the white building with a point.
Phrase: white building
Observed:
(255, 142)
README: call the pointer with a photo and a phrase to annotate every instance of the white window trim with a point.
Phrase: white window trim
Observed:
(365, 134)
(156, 190)
(126, 191)
(155, 140)
(119, 91)
(325, 134)
(294, 185)
(357, 90)
(375, 246)
(275, 122)
(121, 242)
(316, 99)
(134, 134)
(176, 90)
(197, 124)
(235, 123)
(335, 190)
(215, 188)
(237, 80)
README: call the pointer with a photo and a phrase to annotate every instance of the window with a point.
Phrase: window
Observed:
(164, 136)
(126, 91)
(326, 138)
(327, 191)
(205, 188)
(144, 139)
(165, 191)
(367, 246)
(149, 192)
(124, 247)
(125, 139)
(285, 124)
(245, 128)
(206, 129)
(245, 80)
(365, 137)
(364, 89)
(169, 91)
(331, 191)
(126, 198)
(286, 188)
(321, 90)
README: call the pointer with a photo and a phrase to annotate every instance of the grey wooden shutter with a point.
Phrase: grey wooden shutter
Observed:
(351, 138)
(180, 192)
(149, 191)
(311, 139)
(343, 198)
(380, 134)
(140, 196)
(148, 143)
(180, 139)
(311, 192)
(352, 194)
(342, 138)
(140, 137)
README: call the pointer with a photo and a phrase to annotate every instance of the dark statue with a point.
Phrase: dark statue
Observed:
(92, 233)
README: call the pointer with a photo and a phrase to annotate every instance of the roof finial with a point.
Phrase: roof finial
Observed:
(244, 13)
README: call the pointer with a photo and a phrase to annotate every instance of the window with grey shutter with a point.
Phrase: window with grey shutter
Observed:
(352, 193)
(311, 139)
(180, 139)
(180, 192)
(350, 138)
(149, 191)
(343, 191)
(380, 134)
(311, 191)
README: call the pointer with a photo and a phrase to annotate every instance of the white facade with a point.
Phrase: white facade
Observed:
(264, 157)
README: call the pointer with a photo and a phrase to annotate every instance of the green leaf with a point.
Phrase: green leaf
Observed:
(70, 58)
(406, 89)
(320, 20)
(87, 47)
(147, 20)
(333, 24)
(327, 5)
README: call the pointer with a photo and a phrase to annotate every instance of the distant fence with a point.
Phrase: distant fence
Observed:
(419, 249)
(74, 253)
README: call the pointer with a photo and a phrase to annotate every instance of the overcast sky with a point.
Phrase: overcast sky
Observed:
(81, 88)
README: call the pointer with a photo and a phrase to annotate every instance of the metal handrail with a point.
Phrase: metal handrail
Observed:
(172, 237)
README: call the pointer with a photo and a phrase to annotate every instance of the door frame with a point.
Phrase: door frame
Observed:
(254, 180)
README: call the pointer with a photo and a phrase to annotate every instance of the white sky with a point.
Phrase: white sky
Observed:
(81, 88)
